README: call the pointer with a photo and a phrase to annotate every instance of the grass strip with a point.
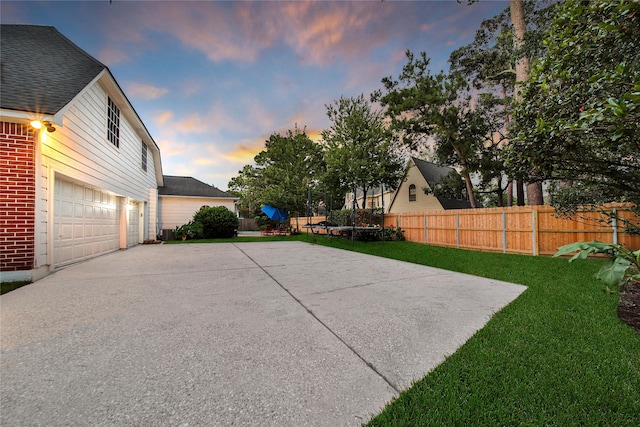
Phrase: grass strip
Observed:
(10, 286)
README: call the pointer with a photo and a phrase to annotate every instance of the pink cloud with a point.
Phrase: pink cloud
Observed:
(110, 57)
(145, 91)
(244, 153)
(163, 117)
(318, 32)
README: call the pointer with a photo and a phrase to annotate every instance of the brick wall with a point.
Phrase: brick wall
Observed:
(17, 197)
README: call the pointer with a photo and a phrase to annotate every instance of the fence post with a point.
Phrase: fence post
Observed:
(458, 230)
(614, 224)
(425, 229)
(534, 231)
(504, 232)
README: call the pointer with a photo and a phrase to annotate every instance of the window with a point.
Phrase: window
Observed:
(412, 193)
(113, 123)
(144, 156)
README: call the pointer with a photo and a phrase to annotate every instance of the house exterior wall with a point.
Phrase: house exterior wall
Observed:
(376, 199)
(78, 151)
(17, 197)
(175, 211)
(423, 201)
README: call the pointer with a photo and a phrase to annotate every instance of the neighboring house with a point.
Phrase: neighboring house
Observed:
(85, 183)
(411, 197)
(182, 196)
(375, 197)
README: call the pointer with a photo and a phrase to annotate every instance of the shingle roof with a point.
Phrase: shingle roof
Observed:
(42, 70)
(430, 171)
(433, 173)
(188, 186)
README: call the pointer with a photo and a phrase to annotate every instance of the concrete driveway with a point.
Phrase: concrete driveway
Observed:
(268, 333)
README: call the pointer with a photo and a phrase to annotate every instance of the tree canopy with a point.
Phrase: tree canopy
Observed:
(359, 152)
(579, 119)
(285, 171)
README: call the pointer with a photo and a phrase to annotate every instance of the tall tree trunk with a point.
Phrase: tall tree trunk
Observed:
(534, 189)
(519, 193)
(465, 173)
(472, 197)
(510, 193)
(500, 194)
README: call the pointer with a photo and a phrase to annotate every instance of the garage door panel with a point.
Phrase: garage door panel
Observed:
(65, 231)
(65, 209)
(85, 222)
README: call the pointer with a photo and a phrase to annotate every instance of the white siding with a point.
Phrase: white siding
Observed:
(80, 150)
(177, 210)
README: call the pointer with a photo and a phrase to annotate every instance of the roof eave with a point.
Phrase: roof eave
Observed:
(199, 197)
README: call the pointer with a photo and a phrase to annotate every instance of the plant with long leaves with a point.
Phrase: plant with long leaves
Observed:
(623, 263)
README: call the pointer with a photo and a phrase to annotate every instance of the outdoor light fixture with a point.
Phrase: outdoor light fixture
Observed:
(37, 124)
(50, 127)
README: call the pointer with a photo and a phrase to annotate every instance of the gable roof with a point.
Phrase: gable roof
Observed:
(190, 187)
(431, 172)
(42, 70)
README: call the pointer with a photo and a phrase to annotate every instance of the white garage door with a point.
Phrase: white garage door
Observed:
(85, 222)
(133, 226)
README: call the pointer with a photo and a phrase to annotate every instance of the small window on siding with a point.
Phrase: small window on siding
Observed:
(412, 193)
(113, 123)
(144, 156)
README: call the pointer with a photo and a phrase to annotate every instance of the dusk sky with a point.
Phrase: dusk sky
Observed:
(212, 80)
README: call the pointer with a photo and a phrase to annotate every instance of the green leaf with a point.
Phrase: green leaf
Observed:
(613, 271)
(585, 249)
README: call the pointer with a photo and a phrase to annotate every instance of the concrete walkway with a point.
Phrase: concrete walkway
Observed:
(267, 333)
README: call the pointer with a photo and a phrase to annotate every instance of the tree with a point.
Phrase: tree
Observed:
(451, 186)
(246, 186)
(579, 119)
(438, 108)
(284, 172)
(490, 63)
(359, 152)
(289, 166)
(534, 189)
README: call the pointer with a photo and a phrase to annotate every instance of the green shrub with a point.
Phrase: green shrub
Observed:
(364, 217)
(216, 222)
(190, 230)
(209, 223)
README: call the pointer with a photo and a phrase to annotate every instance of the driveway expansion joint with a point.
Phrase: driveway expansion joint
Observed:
(335, 334)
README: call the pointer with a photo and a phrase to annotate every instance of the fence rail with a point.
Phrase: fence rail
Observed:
(532, 230)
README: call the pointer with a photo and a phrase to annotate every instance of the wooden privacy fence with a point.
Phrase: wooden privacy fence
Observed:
(532, 230)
